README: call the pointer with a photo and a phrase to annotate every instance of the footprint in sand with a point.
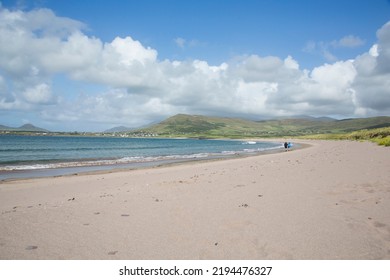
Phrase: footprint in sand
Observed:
(379, 224)
(383, 229)
(31, 247)
(244, 205)
(112, 253)
(125, 215)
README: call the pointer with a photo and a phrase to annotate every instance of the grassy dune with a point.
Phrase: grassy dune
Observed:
(380, 136)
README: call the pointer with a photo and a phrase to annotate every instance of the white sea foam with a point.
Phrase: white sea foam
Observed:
(124, 160)
(249, 143)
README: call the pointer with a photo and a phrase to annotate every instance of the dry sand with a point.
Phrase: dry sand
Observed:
(328, 201)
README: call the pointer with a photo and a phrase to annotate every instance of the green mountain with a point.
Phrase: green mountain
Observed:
(202, 126)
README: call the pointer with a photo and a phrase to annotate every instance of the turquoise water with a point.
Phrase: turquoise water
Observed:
(23, 153)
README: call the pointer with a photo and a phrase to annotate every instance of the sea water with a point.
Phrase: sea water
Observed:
(31, 156)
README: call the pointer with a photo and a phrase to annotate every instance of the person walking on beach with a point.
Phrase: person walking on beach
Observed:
(285, 145)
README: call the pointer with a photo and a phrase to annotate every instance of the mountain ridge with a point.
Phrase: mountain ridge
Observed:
(184, 125)
(28, 127)
(117, 129)
(203, 126)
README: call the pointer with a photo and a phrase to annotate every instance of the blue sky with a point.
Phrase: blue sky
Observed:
(218, 30)
(314, 39)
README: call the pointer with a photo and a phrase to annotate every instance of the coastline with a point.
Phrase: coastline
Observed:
(70, 168)
(328, 201)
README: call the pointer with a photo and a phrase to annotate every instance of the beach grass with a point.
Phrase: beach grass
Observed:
(381, 136)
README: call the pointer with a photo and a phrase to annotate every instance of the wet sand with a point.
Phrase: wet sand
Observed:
(328, 201)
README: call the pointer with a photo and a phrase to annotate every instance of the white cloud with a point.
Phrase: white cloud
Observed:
(310, 47)
(372, 85)
(374, 50)
(131, 51)
(320, 48)
(140, 88)
(349, 41)
(180, 42)
(327, 49)
(183, 43)
(39, 94)
(3, 86)
(338, 75)
(290, 63)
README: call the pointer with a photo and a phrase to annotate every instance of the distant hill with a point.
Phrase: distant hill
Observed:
(118, 129)
(304, 117)
(128, 129)
(198, 126)
(203, 126)
(5, 128)
(24, 128)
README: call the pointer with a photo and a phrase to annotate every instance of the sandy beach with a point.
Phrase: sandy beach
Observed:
(328, 201)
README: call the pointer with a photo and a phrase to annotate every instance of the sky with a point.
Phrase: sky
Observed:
(92, 65)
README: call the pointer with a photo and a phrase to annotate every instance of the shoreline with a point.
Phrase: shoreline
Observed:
(24, 174)
(329, 201)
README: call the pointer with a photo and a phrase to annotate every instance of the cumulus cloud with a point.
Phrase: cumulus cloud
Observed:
(372, 84)
(39, 94)
(140, 88)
